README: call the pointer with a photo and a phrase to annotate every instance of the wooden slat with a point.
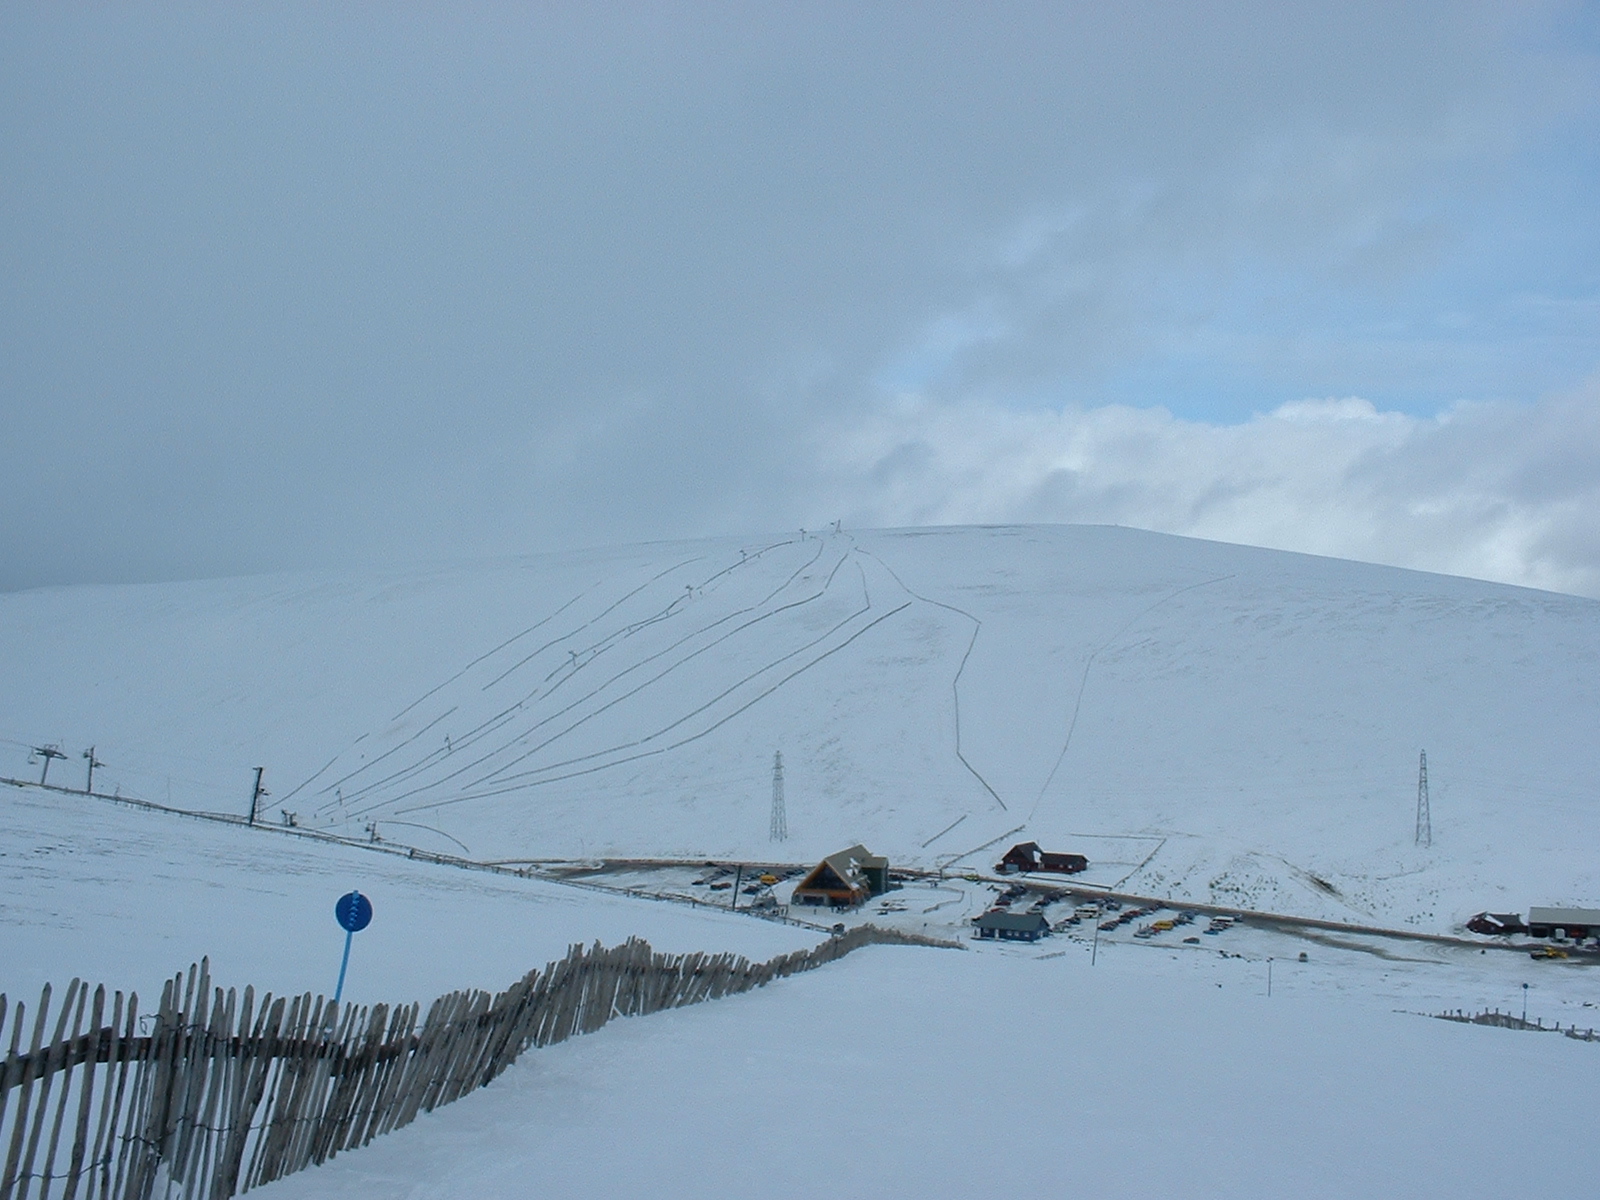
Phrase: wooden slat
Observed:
(252, 1088)
(303, 1064)
(53, 1063)
(403, 1102)
(113, 1051)
(430, 1050)
(10, 1068)
(80, 1129)
(268, 1143)
(213, 1072)
(458, 1043)
(457, 1036)
(19, 1130)
(241, 1013)
(356, 1083)
(192, 1061)
(146, 1103)
(48, 1166)
(9, 1058)
(149, 1100)
(111, 1152)
(333, 1034)
(398, 1051)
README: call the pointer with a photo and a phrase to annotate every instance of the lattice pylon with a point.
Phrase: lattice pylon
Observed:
(780, 819)
(1424, 816)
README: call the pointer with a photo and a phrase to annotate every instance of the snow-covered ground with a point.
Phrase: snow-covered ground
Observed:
(1205, 722)
(942, 1074)
(1202, 720)
(124, 897)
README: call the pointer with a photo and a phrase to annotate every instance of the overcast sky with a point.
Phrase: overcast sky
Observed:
(301, 285)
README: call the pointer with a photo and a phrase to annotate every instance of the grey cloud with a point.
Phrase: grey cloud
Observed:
(292, 286)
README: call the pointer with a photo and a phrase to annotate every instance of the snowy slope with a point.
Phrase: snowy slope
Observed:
(1200, 719)
(959, 1075)
(126, 897)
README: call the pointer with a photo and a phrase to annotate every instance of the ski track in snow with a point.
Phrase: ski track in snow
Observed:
(1083, 684)
(955, 681)
(630, 700)
(480, 782)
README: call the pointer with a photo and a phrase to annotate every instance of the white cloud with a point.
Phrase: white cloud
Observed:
(1502, 492)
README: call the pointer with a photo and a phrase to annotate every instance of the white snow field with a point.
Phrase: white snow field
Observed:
(1202, 720)
(941, 1074)
(115, 895)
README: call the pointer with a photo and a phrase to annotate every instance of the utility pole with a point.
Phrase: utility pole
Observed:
(780, 820)
(88, 785)
(47, 753)
(738, 878)
(1424, 817)
(256, 795)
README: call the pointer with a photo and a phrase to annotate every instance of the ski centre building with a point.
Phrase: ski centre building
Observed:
(844, 880)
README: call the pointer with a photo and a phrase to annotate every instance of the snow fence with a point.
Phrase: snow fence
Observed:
(223, 1093)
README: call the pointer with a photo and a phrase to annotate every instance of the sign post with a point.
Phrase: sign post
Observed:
(354, 913)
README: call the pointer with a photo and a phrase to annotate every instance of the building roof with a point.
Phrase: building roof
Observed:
(847, 865)
(1564, 916)
(1015, 922)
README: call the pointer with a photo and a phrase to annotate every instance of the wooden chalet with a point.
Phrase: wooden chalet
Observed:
(1010, 926)
(1026, 856)
(1497, 924)
(844, 880)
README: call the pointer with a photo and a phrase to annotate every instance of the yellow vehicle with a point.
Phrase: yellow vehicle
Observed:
(1163, 926)
(769, 879)
(1546, 952)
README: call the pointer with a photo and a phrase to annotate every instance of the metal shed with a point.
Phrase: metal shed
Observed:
(1576, 923)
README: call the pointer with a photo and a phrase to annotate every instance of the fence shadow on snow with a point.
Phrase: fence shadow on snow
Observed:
(223, 1093)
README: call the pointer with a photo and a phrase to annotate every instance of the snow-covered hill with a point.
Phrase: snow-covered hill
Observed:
(1200, 719)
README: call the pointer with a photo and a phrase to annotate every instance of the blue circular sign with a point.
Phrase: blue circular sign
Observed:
(354, 912)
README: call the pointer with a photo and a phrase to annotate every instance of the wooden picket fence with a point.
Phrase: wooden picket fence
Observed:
(1493, 1016)
(222, 1093)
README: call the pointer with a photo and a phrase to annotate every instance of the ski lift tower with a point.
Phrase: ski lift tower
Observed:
(49, 753)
